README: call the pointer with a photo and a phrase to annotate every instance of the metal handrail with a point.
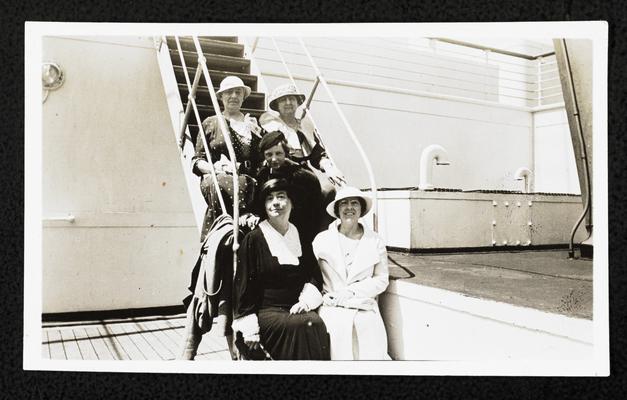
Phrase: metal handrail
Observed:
(309, 99)
(493, 49)
(201, 130)
(202, 61)
(350, 132)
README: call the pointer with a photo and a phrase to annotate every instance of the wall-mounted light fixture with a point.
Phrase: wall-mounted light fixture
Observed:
(52, 78)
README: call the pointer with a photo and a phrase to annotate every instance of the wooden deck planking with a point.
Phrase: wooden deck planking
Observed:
(127, 342)
(159, 342)
(84, 344)
(128, 339)
(160, 330)
(57, 352)
(171, 331)
(72, 351)
(114, 345)
(103, 352)
(45, 345)
(134, 331)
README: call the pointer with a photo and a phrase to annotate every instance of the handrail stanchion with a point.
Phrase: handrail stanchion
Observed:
(201, 130)
(351, 133)
(229, 145)
(311, 93)
(188, 108)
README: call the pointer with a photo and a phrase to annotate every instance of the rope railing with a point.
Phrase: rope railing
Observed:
(202, 66)
(202, 62)
(191, 90)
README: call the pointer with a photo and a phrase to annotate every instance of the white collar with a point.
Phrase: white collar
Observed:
(286, 248)
(245, 128)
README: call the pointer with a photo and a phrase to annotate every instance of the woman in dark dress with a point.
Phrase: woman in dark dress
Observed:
(302, 140)
(277, 286)
(245, 134)
(305, 213)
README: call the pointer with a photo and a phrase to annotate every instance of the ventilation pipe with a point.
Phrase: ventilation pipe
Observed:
(429, 154)
(524, 174)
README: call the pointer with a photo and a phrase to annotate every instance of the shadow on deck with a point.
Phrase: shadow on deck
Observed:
(140, 338)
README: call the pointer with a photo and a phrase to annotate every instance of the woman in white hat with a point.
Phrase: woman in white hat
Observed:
(301, 137)
(245, 134)
(353, 262)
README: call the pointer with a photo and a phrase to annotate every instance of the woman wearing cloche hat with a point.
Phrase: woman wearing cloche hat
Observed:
(353, 262)
(245, 135)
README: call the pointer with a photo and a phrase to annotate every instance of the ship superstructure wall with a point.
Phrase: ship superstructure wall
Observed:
(402, 95)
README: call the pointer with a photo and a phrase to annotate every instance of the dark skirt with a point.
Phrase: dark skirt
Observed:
(288, 336)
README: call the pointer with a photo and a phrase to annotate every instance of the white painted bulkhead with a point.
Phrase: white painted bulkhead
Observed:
(110, 160)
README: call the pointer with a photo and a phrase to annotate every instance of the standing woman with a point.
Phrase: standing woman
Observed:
(353, 261)
(245, 134)
(276, 288)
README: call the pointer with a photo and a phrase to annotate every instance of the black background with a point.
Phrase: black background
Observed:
(17, 384)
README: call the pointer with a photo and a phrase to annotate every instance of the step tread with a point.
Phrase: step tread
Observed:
(236, 60)
(247, 78)
(205, 90)
(216, 46)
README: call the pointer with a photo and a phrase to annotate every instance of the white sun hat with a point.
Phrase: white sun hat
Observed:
(231, 82)
(348, 191)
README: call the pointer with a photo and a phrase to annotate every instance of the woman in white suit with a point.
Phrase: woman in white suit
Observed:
(353, 261)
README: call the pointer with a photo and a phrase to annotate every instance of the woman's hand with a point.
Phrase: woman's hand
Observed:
(336, 177)
(339, 296)
(298, 308)
(250, 220)
(252, 342)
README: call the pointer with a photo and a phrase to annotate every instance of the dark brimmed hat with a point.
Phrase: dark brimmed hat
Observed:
(271, 139)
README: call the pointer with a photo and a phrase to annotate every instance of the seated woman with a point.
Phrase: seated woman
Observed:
(276, 287)
(353, 261)
(302, 139)
(245, 134)
(308, 204)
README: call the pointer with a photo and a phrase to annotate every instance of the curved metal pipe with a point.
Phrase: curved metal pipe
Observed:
(351, 133)
(430, 153)
(524, 173)
(584, 155)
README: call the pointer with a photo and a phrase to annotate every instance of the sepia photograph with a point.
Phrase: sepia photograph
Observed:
(407, 199)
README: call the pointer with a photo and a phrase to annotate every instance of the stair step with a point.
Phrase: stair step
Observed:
(216, 76)
(214, 61)
(232, 39)
(210, 46)
(254, 101)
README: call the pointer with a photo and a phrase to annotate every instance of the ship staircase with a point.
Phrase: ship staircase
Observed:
(191, 70)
